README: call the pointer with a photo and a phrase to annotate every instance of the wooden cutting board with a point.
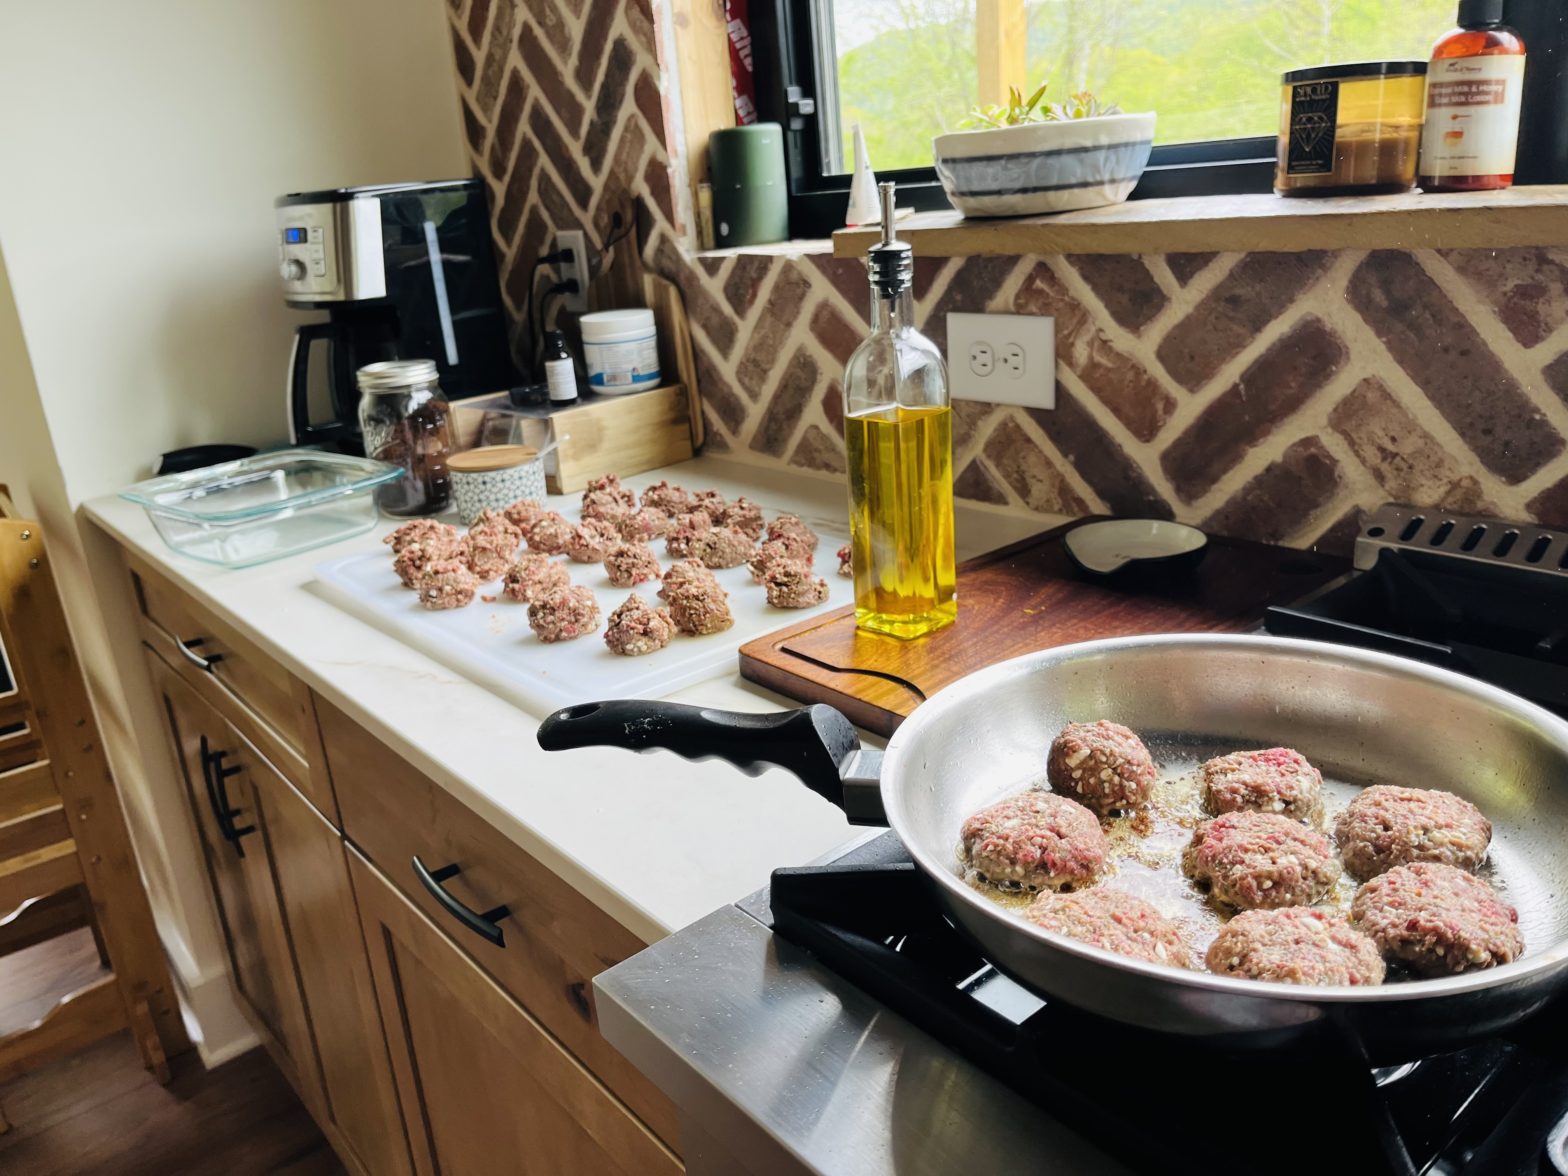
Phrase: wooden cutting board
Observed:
(1016, 600)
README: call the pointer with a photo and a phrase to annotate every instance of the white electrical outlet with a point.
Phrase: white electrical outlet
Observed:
(577, 241)
(1002, 358)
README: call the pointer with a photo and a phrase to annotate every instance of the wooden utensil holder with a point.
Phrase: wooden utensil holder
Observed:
(624, 434)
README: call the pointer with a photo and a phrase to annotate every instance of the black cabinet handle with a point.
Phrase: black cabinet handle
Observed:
(213, 774)
(188, 649)
(482, 925)
(212, 789)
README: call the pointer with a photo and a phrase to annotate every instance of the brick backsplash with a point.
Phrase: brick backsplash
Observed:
(1267, 395)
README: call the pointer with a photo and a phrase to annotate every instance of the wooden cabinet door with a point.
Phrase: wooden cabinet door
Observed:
(309, 864)
(486, 1091)
(294, 940)
(218, 768)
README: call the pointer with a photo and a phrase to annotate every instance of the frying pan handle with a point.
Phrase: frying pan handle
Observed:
(816, 743)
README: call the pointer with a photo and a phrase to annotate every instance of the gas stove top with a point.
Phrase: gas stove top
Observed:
(1166, 1104)
(1479, 596)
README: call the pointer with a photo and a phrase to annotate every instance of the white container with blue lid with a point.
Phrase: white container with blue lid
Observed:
(621, 350)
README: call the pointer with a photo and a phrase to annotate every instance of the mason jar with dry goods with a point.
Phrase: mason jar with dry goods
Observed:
(1350, 129)
(406, 421)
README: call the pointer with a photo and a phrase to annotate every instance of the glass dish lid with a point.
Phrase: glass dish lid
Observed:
(260, 485)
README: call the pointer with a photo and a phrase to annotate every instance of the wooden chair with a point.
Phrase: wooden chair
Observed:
(65, 854)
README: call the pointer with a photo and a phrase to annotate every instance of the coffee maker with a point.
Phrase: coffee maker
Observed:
(404, 271)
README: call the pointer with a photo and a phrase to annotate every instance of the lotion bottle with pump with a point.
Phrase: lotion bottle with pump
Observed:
(1474, 91)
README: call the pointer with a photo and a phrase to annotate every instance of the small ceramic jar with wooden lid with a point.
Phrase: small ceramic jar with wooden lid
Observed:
(493, 477)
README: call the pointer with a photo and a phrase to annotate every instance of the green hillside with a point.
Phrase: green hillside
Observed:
(1210, 69)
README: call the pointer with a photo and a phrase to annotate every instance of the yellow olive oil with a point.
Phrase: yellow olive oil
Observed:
(901, 518)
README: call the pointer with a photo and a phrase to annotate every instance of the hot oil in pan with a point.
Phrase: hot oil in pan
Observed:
(1146, 847)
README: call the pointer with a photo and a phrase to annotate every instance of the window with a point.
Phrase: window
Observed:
(906, 70)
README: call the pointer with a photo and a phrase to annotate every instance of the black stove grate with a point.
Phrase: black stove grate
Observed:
(1502, 624)
(1161, 1102)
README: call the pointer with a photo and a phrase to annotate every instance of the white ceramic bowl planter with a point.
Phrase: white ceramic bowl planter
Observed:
(1044, 166)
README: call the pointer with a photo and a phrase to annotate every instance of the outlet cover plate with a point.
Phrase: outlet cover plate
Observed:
(1002, 358)
(577, 241)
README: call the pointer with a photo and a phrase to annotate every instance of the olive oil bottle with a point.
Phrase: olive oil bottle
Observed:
(898, 434)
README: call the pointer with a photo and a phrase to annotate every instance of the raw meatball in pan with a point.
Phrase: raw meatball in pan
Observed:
(1387, 826)
(1035, 841)
(1275, 780)
(1295, 945)
(1103, 764)
(1251, 860)
(1113, 920)
(1437, 919)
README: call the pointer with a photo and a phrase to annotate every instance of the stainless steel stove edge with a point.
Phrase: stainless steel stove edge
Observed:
(780, 1067)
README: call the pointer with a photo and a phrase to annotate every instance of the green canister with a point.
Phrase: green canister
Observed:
(750, 195)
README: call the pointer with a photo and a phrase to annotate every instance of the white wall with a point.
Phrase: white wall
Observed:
(141, 146)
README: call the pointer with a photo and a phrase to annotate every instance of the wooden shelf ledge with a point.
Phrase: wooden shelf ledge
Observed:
(1533, 216)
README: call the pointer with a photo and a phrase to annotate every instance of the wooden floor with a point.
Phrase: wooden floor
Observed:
(98, 1112)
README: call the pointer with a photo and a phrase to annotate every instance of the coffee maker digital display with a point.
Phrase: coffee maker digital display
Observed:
(404, 271)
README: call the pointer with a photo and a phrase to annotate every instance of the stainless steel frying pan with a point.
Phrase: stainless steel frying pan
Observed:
(1361, 717)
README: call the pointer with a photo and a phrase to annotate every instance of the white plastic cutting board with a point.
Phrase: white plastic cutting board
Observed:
(491, 644)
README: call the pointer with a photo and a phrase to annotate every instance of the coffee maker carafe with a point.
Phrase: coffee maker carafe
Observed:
(404, 271)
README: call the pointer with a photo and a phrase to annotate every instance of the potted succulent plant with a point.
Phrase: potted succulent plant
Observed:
(1033, 156)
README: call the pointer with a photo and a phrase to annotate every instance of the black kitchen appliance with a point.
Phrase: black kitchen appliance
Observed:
(1158, 1103)
(404, 271)
(1481, 596)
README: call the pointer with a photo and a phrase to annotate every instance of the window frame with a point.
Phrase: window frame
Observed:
(785, 42)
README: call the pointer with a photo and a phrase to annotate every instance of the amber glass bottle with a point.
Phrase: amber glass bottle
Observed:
(1473, 91)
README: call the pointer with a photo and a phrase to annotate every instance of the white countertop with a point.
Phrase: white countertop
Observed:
(655, 841)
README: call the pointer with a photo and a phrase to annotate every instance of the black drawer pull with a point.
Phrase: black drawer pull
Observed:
(188, 648)
(483, 925)
(213, 774)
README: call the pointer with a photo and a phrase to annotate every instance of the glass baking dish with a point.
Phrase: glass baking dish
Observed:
(263, 507)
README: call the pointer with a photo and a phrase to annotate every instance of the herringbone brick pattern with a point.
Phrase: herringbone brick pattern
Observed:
(1264, 395)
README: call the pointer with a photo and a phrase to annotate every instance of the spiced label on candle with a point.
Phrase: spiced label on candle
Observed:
(1472, 116)
(1314, 109)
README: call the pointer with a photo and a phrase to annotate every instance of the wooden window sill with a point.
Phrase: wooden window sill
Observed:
(1262, 224)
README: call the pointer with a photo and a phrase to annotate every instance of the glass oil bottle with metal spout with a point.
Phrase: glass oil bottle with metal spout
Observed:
(898, 434)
